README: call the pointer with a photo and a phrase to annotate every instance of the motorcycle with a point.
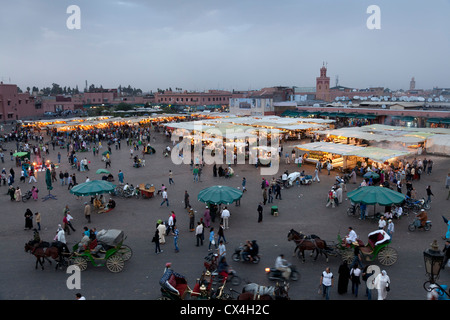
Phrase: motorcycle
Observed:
(27, 196)
(417, 204)
(275, 274)
(416, 224)
(237, 255)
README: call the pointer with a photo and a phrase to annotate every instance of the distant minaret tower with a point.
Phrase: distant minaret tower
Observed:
(412, 84)
(323, 85)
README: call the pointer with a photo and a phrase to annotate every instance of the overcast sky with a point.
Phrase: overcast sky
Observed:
(233, 44)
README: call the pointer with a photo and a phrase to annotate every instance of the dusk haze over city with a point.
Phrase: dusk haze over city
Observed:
(232, 153)
(200, 45)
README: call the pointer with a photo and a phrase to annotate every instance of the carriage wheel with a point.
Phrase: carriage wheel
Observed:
(115, 263)
(126, 252)
(387, 256)
(80, 262)
(235, 280)
(347, 255)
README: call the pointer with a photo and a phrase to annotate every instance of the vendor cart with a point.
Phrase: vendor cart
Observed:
(147, 190)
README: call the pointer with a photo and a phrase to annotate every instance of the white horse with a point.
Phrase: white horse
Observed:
(254, 291)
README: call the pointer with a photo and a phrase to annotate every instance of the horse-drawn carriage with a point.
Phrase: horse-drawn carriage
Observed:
(174, 286)
(109, 251)
(377, 247)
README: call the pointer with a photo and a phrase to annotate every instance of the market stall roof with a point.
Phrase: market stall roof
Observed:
(342, 149)
(380, 154)
(439, 144)
(367, 134)
(373, 153)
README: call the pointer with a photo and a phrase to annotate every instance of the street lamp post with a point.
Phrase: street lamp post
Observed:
(433, 259)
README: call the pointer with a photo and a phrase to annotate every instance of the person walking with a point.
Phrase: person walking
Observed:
(225, 217)
(34, 192)
(87, 212)
(165, 198)
(326, 282)
(329, 167)
(28, 219)
(170, 224)
(186, 200)
(221, 234)
(37, 218)
(221, 250)
(390, 228)
(32, 176)
(199, 233)
(382, 283)
(260, 212)
(429, 194)
(162, 232)
(365, 277)
(176, 234)
(277, 191)
(195, 173)
(381, 223)
(191, 214)
(18, 194)
(171, 177)
(212, 240)
(207, 217)
(120, 175)
(155, 239)
(344, 277)
(355, 274)
(316, 175)
(429, 166)
(264, 193)
(270, 196)
(244, 182)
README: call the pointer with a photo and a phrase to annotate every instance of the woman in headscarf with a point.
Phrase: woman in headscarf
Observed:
(34, 192)
(381, 283)
(344, 277)
(207, 217)
(18, 194)
(28, 219)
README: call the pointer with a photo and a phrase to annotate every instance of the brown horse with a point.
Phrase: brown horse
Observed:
(43, 251)
(303, 242)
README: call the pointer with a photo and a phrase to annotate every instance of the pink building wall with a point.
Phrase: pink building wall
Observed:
(14, 105)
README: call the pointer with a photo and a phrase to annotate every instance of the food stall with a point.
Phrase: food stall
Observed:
(340, 155)
(265, 154)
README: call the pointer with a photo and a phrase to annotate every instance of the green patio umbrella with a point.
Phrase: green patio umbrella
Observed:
(372, 175)
(100, 171)
(376, 195)
(20, 154)
(93, 188)
(219, 195)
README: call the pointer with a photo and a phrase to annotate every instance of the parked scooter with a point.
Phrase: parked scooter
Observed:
(306, 180)
(27, 196)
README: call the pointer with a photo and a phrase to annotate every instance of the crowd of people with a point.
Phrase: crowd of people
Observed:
(201, 225)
